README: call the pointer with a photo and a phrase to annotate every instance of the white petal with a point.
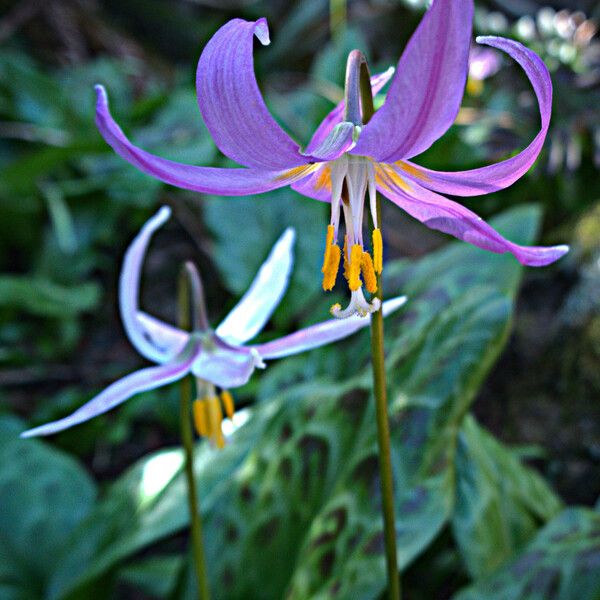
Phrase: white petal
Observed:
(224, 365)
(123, 389)
(322, 333)
(145, 340)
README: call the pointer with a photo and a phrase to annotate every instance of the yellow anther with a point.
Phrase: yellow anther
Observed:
(377, 251)
(474, 86)
(368, 273)
(346, 263)
(330, 273)
(215, 418)
(200, 417)
(335, 308)
(328, 243)
(227, 400)
(354, 282)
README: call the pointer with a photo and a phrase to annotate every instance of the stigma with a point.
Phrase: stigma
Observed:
(352, 179)
(208, 412)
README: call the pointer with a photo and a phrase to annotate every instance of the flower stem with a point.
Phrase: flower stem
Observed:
(188, 287)
(358, 85)
(337, 18)
(383, 441)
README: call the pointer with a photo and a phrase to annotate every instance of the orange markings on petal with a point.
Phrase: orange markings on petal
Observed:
(324, 179)
(412, 170)
(384, 174)
(298, 172)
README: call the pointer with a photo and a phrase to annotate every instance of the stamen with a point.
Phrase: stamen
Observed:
(354, 282)
(346, 263)
(227, 400)
(200, 417)
(215, 418)
(377, 251)
(368, 273)
(328, 243)
(331, 269)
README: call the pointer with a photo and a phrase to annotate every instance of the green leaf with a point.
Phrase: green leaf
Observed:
(245, 230)
(44, 495)
(42, 297)
(500, 503)
(561, 563)
(291, 506)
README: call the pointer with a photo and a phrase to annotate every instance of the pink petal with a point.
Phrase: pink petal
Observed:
(322, 333)
(316, 185)
(442, 214)
(232, 105)
(500, 175)
(123, 389)
(427, 90)
(208, 180)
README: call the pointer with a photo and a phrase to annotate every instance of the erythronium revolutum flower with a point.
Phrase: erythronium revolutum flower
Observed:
(217, 359)
(345, 159)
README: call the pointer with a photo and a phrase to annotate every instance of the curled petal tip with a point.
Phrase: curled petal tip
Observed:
(261, 31)
(100, 93)
(389, 306)
(289, 235)
(163, 214)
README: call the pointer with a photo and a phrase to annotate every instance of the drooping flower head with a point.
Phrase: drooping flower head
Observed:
(347, 159)
(218, 359)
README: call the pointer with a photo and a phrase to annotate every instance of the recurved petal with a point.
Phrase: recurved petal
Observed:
(322, 333)
(232, 105)
(225, 365)
(147, 334)
(428, 86)
(251, 313)
(122, 390)
(208, 180)
(442, 214)
(168, 339)
(500, 175)
(337, 114)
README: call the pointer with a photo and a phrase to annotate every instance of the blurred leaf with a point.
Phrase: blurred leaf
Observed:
(45, 298)
(156, 576)
(500, 503)
(44, 495)
(245, 230)
(561, 563)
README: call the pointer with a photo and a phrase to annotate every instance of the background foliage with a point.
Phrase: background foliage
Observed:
(493, 372)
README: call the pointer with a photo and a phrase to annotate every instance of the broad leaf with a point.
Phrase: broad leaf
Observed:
(561, 563)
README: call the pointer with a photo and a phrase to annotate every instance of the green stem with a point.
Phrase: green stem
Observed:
(337, 18)
(383, 441)
(187, 288)
(357, 75)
